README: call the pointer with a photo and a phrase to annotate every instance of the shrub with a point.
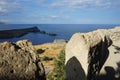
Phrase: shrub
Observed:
(45, 58)
(59, 70)
(40, 51)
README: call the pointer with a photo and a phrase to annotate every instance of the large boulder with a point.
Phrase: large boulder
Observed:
(19, 61)
(86, 53)
(111, 68)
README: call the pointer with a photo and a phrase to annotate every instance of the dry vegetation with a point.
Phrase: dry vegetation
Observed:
(49, 52)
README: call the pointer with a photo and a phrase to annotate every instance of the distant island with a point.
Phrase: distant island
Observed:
(5, 34)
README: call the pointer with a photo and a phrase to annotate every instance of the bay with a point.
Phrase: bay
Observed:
(63, 31)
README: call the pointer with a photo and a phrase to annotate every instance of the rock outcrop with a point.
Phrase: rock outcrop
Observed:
(114, 33)
(19, 61)
(86, 53)
(111, 68)
(5, 34)
(60, 41)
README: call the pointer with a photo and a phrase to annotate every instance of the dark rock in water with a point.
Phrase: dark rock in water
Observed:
(42, 32)
(52, 34)
(4, 34)
(19, 61)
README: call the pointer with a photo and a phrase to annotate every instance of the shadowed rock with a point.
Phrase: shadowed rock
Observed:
(74, 66)
(19, 61)
(91, 50)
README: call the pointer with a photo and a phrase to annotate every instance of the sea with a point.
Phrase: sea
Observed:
(63, 31)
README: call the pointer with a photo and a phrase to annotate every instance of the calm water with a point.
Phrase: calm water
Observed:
(63, 31)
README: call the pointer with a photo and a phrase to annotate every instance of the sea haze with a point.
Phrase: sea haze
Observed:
(63, 31)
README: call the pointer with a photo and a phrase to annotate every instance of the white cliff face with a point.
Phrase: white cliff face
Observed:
(85, 54)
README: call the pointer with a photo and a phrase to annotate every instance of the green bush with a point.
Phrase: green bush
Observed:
(40, 51)
(59, 70)
(45, 58)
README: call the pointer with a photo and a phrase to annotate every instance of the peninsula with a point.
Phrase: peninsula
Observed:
(5, 34)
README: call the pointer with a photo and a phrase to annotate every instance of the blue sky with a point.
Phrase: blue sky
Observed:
(60, 11)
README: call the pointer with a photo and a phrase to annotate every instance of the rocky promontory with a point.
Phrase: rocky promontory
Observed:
(5, 34)
(19, 61)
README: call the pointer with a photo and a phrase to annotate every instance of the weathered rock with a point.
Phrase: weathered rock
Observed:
(60, 41)
(52, 34)
(19, 61)
(86, 54)
(114, 33)
(111, 68)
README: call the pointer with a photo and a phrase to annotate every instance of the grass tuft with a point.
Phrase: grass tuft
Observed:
(59, 70)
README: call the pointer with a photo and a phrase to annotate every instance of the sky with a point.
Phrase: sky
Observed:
(60, 11)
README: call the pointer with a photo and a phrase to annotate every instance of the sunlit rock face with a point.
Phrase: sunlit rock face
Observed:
(19, 61)
(86, 53)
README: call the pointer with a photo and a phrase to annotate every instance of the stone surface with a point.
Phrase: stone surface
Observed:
(114, 33)
(19, 61)
(60, 41)
(111, 68)
(86, 53)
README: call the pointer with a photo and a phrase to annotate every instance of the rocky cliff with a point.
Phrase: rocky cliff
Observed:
(18, 61)
(87, 53)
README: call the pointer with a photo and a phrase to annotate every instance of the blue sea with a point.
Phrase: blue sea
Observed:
(63, 31)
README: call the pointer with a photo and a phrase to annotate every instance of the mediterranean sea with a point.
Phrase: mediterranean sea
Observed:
(63, 31)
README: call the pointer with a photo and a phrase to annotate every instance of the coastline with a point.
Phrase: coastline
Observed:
(48, 52)
(12, 33)
(63, 31)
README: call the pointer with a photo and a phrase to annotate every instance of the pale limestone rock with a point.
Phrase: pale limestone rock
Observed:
(85, 54)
